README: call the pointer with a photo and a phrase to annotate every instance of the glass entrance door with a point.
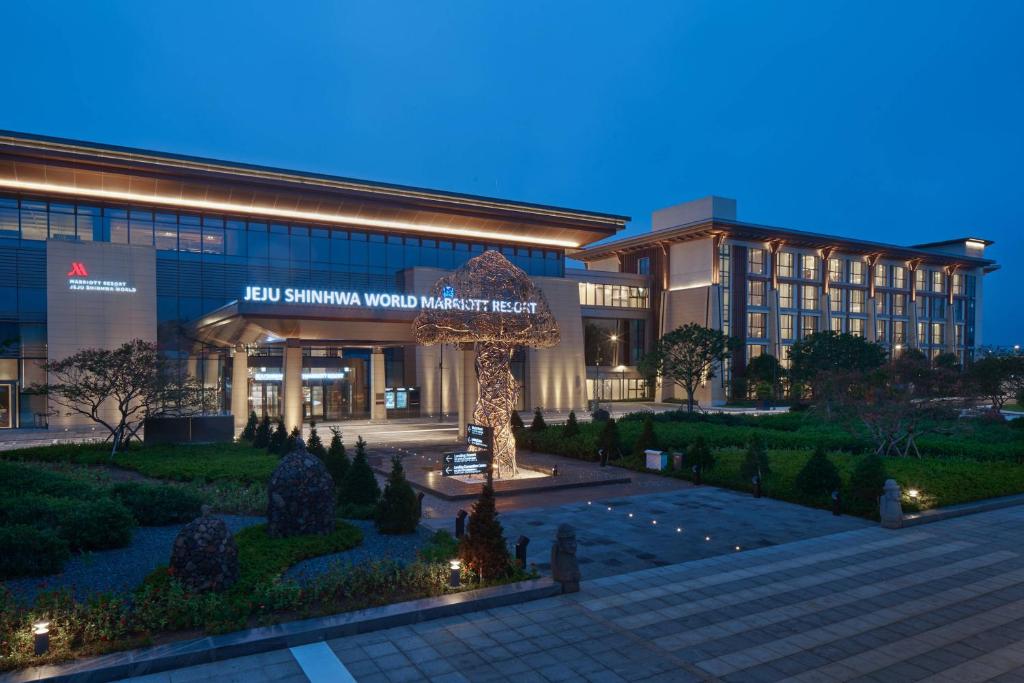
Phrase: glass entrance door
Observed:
(265, 399)
(313, 400)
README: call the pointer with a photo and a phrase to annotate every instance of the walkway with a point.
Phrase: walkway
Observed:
(943, 602)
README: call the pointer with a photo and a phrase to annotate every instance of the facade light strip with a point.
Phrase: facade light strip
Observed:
(313, 216)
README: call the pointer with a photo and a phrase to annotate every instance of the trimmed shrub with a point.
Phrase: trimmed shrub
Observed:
(249, 433)
(16, 480)
(609, 438)
(398, 510)
(755, 461)
(483, 548)
(440, 548)
(85, 524)
(538, 424)
(647, 439)
(866, 483)
(28, 551)
(517, 422)
(289, 443)
(819, 477)
(278, 439)
(700, 454)
(360, 486)
(262, 438)
(572, 427)
(337, 459)
(156, 505)
(314, 445)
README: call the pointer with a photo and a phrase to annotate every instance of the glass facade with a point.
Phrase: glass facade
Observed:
(617, 296)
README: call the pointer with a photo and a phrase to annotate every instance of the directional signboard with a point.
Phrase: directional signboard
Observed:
(479, 436)
(465, 462)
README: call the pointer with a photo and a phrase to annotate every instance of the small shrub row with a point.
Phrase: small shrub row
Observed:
(84, 524)
(156, 505)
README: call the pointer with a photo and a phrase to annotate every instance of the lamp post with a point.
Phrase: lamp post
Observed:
(615, 355)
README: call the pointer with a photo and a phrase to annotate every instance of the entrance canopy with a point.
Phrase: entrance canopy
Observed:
(244, 322)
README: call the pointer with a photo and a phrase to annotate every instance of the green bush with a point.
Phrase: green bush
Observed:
(360, 486)
(441, 547)
(647, 440)
(819, 477)
(278, 439)
(398, 510)
(572, 427)
(538, 424)
(337, 461)
(755, 461)
(262, 438)
(28, 551)
(315, 445)
(289, 443)
(249, 433)
(866, 483)
(699, 455)
(517, 422)
(158, 505)
(483, 548)
(609, 440)
(24, 479)
(85, 524)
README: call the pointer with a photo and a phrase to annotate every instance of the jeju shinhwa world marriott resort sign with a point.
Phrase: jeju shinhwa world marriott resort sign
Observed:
(348, 299)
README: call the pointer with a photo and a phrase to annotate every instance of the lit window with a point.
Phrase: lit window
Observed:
(922, 333)
(786, 326)
(856, 327)
(809, 267)
(754, 350)
(755, 325)
(835, 300)
(785, 264)
(899, 304)
(835, 270)
(808, 325)
(938, 281)
(857, 300)
(937, 335)
(880, 331)
(899, 277)
(809, 297)
(958, 283)
(899, 332)
(880, 276)
(786, 295)
(755, 293)
(919, 280)
(836, 324)
(857, 272)
(755, 261)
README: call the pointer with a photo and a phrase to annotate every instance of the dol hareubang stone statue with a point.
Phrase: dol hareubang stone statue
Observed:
(300, 497)
(890, 509)
(565, 568)
(204, 556)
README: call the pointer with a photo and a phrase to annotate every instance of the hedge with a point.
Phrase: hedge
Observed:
(158, 505)
(84, 524)
(29, 551)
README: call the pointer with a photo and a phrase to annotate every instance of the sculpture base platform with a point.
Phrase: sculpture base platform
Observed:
(423, 470)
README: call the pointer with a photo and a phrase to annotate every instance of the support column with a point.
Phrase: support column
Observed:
(292, 385)
(240, 388)
(466, 369)
(378, 409)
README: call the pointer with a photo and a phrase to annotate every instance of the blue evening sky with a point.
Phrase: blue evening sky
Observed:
(891, 121)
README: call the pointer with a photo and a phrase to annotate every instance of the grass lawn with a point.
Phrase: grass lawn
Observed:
(207, 462)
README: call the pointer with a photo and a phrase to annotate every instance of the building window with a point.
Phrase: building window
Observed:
(922, 306)
(755, 261)
(856, 327)
(922, 333)
(899, 304)
(809, 297)
(618, 296)
(835, 270)
(809, 267)
(755, 325)
(755, 293)
(959, 331)
(880, 332)
(958, 283)
(835, 300)
(857, 300)
(786, 326)
(785, 263)
(643, 265)
(880, 273)
(899, 277)
(880, 300)
(920, 283)
(754, 350)
(808, 325)
(786, 362)
(938, 281)
(937, 333)
(786, 295)
(836, 325)
(857, 272)
(899, 332)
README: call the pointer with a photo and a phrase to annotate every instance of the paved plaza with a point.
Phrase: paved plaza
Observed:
(941, 602)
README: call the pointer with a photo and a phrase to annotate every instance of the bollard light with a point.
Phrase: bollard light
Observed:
(707, 538)
(456, 576)
(913, 493)
(41, 637)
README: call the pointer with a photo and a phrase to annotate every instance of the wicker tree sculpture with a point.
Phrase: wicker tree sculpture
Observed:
(493, 304)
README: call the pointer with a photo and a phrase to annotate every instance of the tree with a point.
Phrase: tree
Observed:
(687, 357)
(647, 438)
(997, 378)
(119, 388)
(483, 548)
(572, 427)
(398, 511)
(262, 439)
(289, 443)
(755, 461)
(818, 477)
(337, 461)
(947, 361)
(828, 361)
(249, 433)
(538, 424)
(867, 482)
(699, 455)
(765, 370)
(278, 439)
(608, 441)
(314, 445)
(360, 486)
(516, 421)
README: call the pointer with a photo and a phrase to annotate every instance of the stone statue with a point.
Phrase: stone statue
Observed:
(204, 556)
(565, 568)
(890, 510)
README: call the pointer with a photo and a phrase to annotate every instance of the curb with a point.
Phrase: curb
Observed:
(939, 514)
(290, 634)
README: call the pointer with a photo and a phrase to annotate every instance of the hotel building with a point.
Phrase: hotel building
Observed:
(770, 286)
(292, 294)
